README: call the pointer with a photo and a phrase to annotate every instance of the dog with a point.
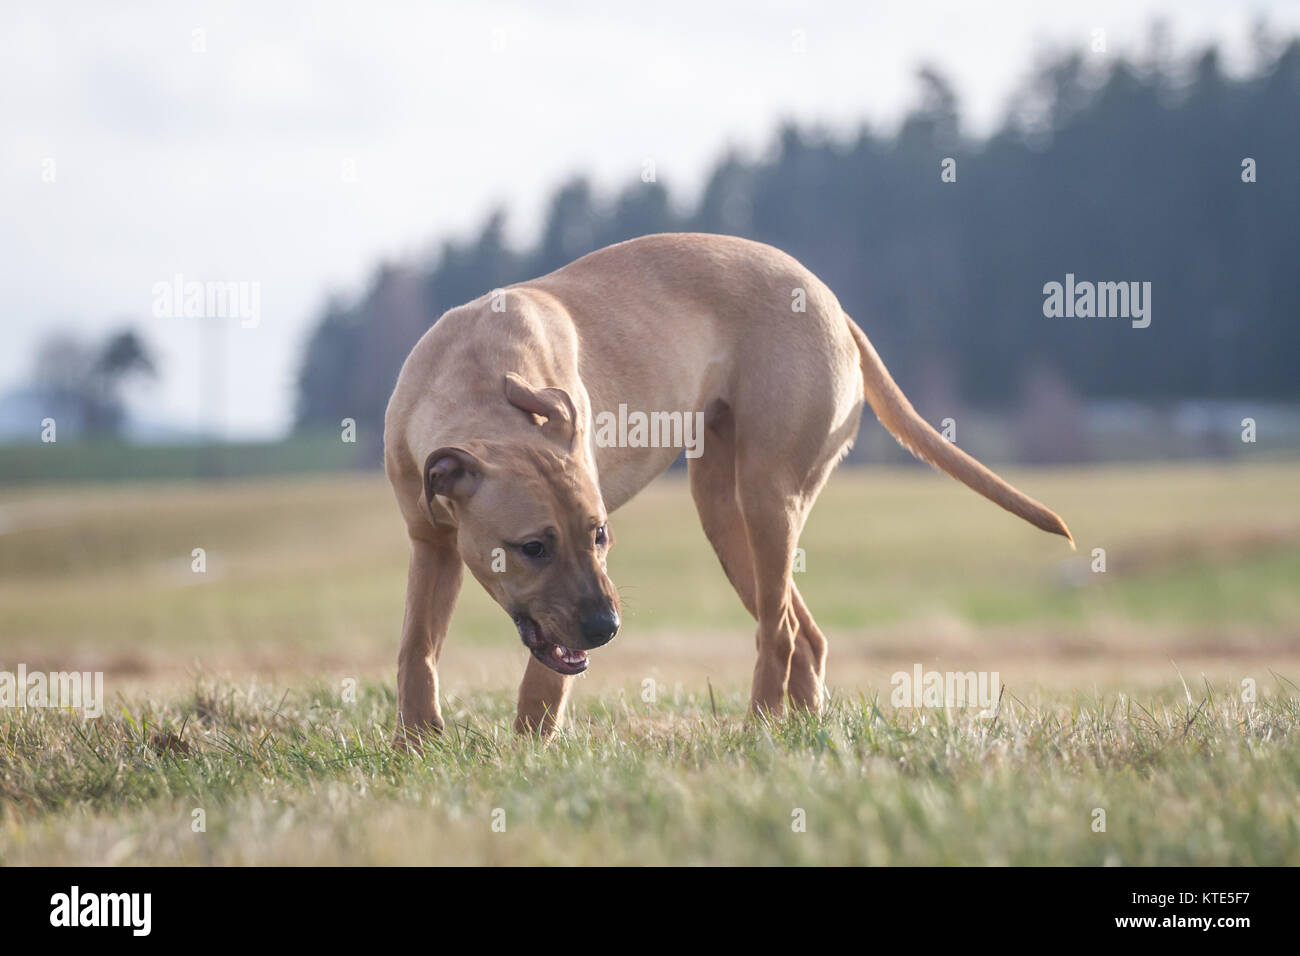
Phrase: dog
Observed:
(492, 451)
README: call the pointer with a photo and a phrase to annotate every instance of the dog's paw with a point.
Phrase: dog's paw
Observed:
(539, 726)
(410, 738)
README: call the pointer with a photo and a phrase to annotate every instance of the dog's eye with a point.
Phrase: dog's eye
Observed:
(534, 549)
(600, 536)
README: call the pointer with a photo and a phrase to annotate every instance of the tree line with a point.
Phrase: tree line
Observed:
(1153, 169)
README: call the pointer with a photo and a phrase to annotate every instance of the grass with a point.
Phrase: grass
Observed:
(36, 462)
(302, 777)
(317, 566)
(226, 689)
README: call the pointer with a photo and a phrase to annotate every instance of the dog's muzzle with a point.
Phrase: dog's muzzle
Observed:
(556, 656)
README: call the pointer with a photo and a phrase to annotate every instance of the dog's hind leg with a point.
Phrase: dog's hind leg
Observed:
(432, 584)
(777, 482)
(808, 666)
(772, 527)
(713, 486)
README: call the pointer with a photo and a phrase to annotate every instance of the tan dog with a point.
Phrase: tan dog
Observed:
(493, 451)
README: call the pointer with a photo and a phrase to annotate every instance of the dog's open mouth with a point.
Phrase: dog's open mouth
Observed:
(555, 656)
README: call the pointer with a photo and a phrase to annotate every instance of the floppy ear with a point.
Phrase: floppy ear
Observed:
(452, 472)
(552, 404)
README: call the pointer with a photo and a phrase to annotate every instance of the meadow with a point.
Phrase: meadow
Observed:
(255, 697)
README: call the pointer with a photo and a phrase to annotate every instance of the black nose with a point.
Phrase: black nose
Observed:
(600, 626)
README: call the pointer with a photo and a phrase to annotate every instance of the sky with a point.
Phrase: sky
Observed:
(294, 146)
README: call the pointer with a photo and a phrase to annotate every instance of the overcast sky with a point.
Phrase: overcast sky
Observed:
(295, 145)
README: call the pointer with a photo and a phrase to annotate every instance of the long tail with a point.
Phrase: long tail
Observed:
(915, 434)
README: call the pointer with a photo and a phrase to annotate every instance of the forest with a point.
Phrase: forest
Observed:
(1167, 174)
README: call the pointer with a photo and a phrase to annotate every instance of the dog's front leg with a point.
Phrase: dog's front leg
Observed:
(432, 584)
(541, 700)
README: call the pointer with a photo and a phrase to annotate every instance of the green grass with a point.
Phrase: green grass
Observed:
(112, 460)
(316, 565)
(301, 777)
(304, 589)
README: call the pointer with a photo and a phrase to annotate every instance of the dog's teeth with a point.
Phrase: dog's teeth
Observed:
(559, 651)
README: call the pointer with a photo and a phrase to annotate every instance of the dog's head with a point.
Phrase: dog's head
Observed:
(531, 526)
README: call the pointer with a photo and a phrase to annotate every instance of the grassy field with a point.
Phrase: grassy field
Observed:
(34, 462)
(259, 692)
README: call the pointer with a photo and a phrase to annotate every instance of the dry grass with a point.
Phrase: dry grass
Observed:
(225, 687)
